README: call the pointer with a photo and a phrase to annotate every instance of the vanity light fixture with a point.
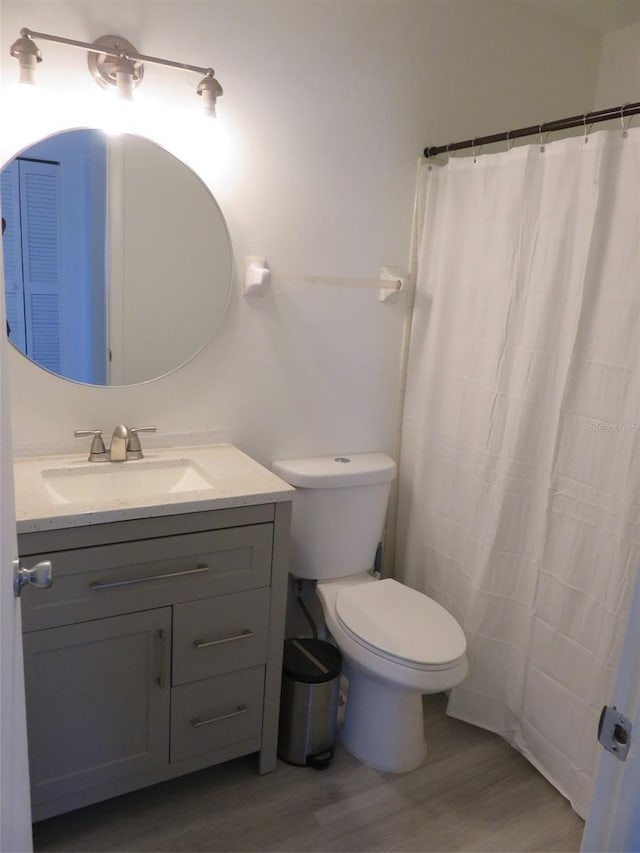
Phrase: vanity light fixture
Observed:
(113, 61)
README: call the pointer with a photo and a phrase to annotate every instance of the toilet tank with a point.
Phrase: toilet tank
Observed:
(339, 512)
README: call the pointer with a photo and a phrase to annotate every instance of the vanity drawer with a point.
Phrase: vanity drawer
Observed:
(216, 712)
(217, 635)
(92, 583)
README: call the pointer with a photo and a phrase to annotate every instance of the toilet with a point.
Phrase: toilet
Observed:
(396, 642)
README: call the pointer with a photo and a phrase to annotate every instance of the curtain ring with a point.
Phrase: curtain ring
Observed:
(624, 129)
(475, 156)
(509, 141)
(542, 146)
(586, 132)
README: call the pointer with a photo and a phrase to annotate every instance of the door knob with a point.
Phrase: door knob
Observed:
(40, 575)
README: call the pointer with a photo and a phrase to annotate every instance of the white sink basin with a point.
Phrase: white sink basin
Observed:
(98, 482)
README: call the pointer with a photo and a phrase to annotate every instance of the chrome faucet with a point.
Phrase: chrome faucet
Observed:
(119, 443)
(125, 443)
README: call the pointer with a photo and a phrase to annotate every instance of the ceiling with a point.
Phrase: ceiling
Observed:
(601, 16)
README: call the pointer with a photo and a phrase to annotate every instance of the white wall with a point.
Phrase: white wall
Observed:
(619, 70)
(328, 104)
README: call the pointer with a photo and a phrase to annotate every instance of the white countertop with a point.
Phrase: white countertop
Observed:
(238, 481)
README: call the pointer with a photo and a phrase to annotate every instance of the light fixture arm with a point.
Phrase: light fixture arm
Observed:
(128, 53)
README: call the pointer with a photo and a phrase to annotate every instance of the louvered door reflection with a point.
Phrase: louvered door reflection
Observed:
(12, 251)
(39, 214)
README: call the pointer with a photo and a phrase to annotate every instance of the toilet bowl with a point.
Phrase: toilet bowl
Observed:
(396, 642)
(396, 645)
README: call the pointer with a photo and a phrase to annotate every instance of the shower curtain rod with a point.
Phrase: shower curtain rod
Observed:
(585, 120)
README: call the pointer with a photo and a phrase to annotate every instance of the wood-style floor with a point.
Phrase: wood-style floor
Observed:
(474, 793)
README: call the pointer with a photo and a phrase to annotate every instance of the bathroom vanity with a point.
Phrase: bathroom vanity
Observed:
(157, 650)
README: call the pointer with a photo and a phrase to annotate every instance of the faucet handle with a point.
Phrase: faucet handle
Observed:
(98, 452)
(134, 449)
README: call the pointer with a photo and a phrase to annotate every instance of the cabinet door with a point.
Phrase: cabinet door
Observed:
(97, 701)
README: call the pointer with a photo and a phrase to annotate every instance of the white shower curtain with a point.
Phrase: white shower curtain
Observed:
(519, 504)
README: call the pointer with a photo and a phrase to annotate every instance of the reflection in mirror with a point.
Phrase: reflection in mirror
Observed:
(117, 259)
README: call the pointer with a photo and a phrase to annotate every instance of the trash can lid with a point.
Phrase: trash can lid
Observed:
(311, 661)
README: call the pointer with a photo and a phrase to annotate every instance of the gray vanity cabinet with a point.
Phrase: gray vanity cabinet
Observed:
(157, 650)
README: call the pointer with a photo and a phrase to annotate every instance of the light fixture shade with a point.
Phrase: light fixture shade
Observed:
(28, 55)
(210, 90)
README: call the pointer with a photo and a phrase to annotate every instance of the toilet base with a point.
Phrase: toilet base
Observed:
(383, 725)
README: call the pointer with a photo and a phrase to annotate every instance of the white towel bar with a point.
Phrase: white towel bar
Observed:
(257, 275)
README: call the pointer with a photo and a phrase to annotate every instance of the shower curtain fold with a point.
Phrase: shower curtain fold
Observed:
(519, 483)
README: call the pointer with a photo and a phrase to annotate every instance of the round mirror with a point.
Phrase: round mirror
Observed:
(117, 258)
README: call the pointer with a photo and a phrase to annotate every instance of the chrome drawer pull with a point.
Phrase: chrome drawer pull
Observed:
(204, 644)
(162, 637)
(241, 709)
(98, 585)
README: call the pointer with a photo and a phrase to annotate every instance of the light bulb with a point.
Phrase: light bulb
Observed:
(124, 73)
(26, 52)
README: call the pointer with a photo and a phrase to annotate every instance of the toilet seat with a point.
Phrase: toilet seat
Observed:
(400, 624)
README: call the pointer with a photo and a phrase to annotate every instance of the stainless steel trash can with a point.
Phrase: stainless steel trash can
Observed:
(309, 702)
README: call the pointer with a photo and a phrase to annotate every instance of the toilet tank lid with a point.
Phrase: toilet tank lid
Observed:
(334, 472)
